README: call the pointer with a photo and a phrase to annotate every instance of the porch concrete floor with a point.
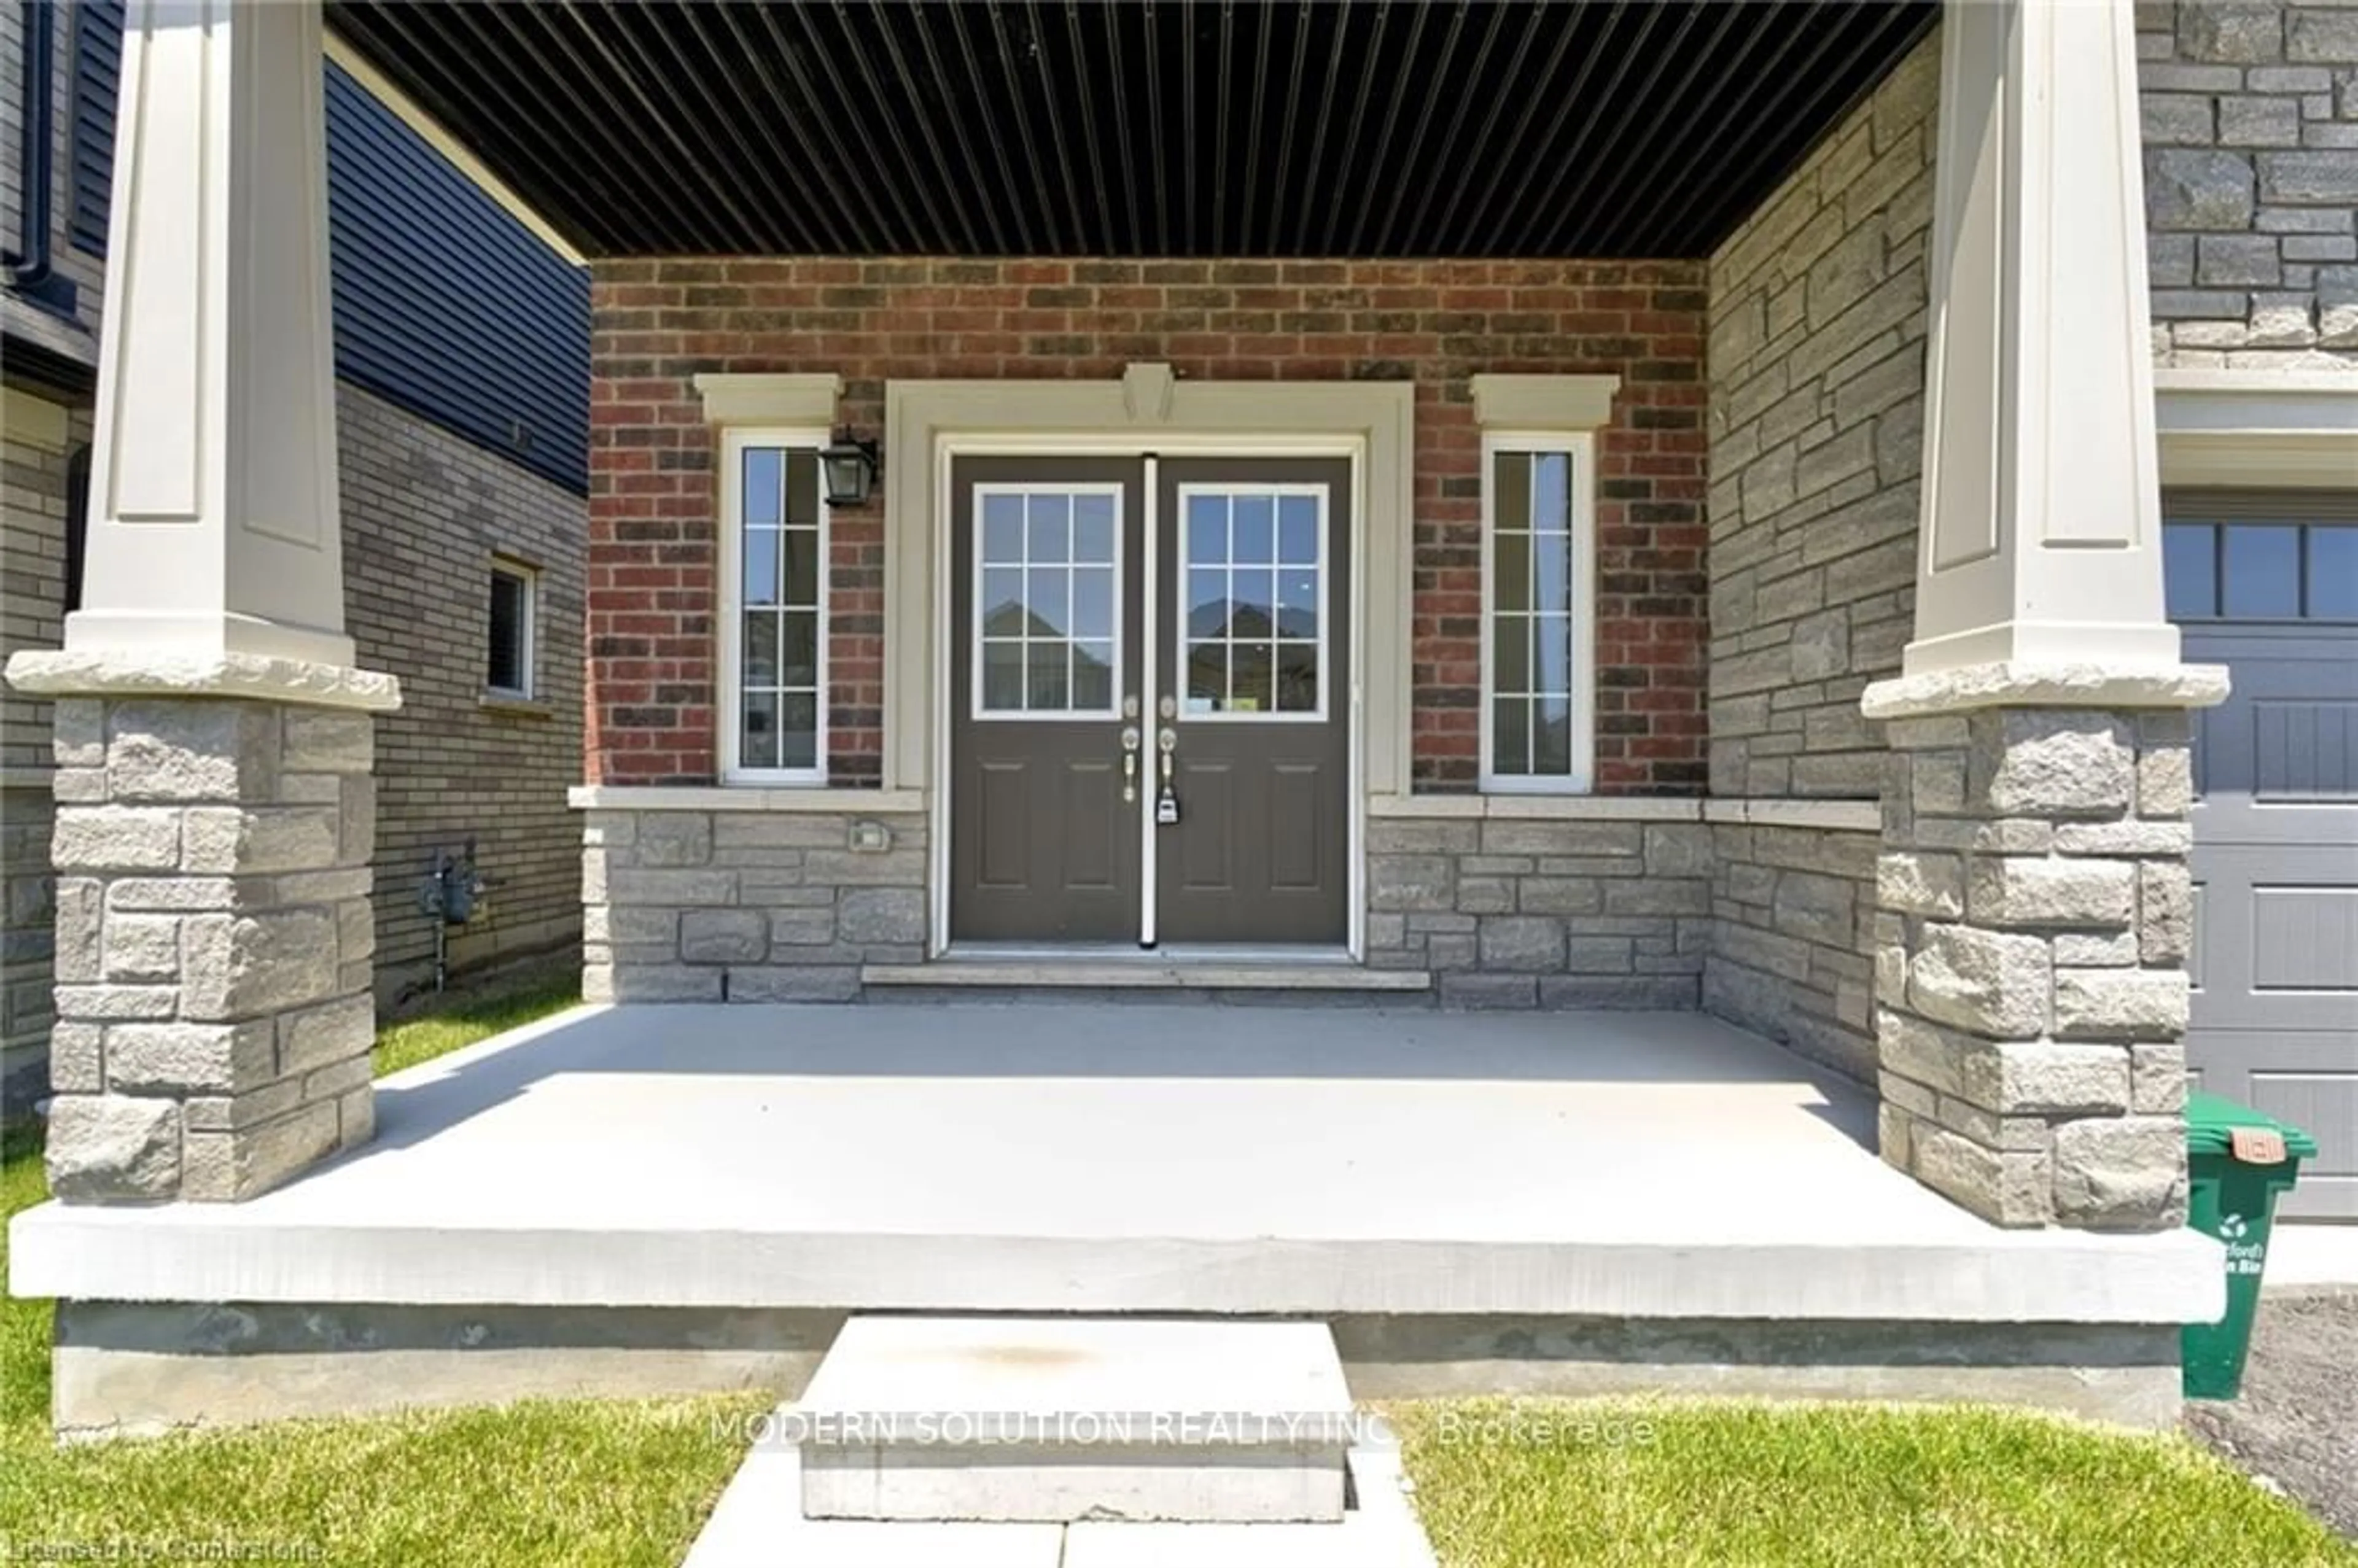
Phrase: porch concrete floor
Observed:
(1027, 1156)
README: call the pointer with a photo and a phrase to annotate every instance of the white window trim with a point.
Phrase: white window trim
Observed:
(529, 637)
(1580, 446)
(975, 639)
(1323, 495)
(730, 688)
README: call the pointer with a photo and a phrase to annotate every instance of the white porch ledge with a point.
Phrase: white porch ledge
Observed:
(1861, 815)
(1123, 1159)
(740, 797)
(1845, 815)
(1540, 807)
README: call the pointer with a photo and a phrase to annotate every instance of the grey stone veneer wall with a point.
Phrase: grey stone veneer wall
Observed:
(746, 905)
(1817, 382)
(213, 944)
(423, 513)
(1792, 938)
(1527, 912)
(2031, 962)
(2251, 135)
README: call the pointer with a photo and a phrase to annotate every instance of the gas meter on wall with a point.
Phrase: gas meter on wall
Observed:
(451, 888)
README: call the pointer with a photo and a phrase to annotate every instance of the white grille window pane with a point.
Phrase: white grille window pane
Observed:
(780, 620)
(802, 490)
(758, 747)
(1532, 597)
(1297, 530)
(1046, 607)
(1002, 677)
(1208, 530)
(1254, 604)
(798, 729)
(1046, 666)
(1044, 601)
(802, 568)
(1002, 530)
(765, 487)
(1092, 674)
(1050, 528)
(1093, 520)
(1254, 528)
(1510, 737)
(1092, 603)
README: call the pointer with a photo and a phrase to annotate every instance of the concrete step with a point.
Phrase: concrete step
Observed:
(759, 1523)
(1140, 972)
(1052, 1420)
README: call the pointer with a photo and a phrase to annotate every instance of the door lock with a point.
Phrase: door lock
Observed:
(1166, 801)
(1129, 741)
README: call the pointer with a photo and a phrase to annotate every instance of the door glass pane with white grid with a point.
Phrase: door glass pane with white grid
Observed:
(1046, 607)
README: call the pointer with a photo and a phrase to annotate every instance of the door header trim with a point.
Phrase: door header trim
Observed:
(928, 422)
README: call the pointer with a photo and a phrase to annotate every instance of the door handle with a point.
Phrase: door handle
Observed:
(1166, 801)
(1130, 741)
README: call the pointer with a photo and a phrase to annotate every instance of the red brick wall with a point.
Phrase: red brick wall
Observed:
(652, 572)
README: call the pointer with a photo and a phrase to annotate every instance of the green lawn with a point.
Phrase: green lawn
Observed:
(562, 1485)
(1841, 1486)
(588, 1484)
(421, 1039)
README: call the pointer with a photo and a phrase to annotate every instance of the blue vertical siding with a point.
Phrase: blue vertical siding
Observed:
(446, 304)
(97, 68)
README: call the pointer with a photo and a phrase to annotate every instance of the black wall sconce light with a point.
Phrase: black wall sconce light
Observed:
(850, 467)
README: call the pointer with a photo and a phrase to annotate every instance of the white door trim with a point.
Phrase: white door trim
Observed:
(948, 447)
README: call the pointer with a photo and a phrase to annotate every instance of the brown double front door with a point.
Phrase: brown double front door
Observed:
(1150, 700)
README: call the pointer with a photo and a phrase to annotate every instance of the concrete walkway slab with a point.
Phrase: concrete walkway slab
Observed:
(2312, 1258)
(759, 1523)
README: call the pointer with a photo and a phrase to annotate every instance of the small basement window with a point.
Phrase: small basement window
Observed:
(510, 672)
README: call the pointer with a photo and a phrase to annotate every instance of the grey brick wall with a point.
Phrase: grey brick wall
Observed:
(423, 513)
(1817, 380)
(2251, 133)
(746, 905)
(1525, 912)
(39, 436)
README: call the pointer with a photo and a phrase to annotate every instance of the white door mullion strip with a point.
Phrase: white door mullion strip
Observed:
(1150, 708)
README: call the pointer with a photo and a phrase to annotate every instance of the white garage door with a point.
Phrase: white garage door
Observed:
(2269, 585)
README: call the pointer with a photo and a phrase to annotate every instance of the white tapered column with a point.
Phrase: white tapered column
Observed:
(214, 742)
(2035, 907)
(2041, 528)
(213, 510)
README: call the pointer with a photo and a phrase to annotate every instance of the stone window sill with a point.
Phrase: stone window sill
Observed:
(742, 798)
(508, 705)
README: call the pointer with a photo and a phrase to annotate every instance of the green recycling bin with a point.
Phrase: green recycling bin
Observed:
(2237, 1160)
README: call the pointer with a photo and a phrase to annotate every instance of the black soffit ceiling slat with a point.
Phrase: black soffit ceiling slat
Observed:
(1140, 128)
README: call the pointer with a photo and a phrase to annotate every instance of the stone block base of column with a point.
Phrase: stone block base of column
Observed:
(214, 942)
(2031, 983)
